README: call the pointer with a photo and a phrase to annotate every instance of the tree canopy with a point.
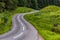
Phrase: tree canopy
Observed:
(36, 4)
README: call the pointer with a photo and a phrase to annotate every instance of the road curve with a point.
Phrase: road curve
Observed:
(21, 29)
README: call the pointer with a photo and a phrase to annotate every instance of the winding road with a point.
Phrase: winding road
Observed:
(21, 29)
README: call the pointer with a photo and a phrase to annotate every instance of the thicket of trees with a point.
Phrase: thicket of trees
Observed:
(36, 4)
(8, 5)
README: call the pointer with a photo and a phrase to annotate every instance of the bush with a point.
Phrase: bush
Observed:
(56, 29)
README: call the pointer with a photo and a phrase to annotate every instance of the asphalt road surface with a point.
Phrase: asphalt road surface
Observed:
(21, 29)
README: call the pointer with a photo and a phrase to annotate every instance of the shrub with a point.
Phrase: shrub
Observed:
(56, 29)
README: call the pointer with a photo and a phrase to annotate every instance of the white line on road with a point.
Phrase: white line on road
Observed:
(18, 17)
(18, 35)
(23, 28)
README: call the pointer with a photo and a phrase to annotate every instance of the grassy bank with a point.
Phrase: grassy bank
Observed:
(6, 18)
(47, 22)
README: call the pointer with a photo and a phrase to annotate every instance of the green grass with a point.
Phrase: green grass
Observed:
(6, 18)
(22, 10)
(44, 22)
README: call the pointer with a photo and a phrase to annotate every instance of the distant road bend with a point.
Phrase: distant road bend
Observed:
(21, 30)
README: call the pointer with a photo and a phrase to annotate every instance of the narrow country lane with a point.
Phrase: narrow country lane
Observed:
(21, 29)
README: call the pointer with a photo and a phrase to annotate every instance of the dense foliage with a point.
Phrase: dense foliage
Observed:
(7, 5)
(47, 22)
(36, 4)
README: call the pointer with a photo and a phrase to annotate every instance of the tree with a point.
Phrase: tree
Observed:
(36, 4)
(2, 6)
(20, 3)
(29, 3)
(8, 4)
(25, 2)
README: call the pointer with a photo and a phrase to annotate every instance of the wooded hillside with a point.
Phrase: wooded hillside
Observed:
(36, 4)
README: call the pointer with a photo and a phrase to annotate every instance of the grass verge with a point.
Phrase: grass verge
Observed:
(47, 22)
(6, 18)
